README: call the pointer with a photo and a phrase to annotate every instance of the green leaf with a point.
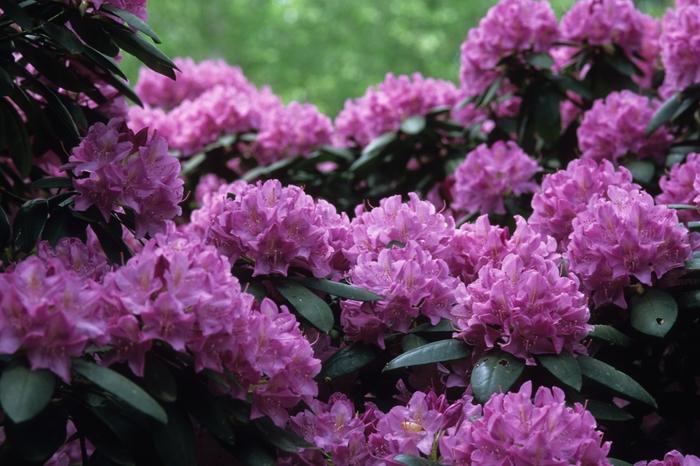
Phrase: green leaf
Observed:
(308, 304)
(540, 60)
(664, 113)
(413, 125)
(616, 462)
(209, 412)
(438, 351)
(29, 223)
(341, 290)
(348, 360)
(133, 21)
(373, 150)
(412, 341)
(618, 381)
(284, 439)
(175, 441)
(5, 229)
(122, 388)
(682, 206)
(607, 412)
(611, 335)
(444, 326)
(496, 372)
(53, 182)
(491, 92)
(25, 393)
(253, 454)
(109, 235)
(567, 83)
(36, 440)
(16, 138)
(653, 313)
(564, 367)
(642, 170)
(410, 460)
(150, 55)
(159, 380)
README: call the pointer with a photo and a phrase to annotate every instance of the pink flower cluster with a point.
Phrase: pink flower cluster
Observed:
(565, 193)
(115, 168)
(510, 27)
(615, 127)
(85, 259)
(514, 429)
(672, 458)
(682, 186)
(474, 245)
(212, 99)
(182, 293)
(278, 227)
(489, 174)
(624, 235)
(385, 106)
(680, 46)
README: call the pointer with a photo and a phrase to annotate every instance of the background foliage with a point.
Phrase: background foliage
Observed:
(329, 50)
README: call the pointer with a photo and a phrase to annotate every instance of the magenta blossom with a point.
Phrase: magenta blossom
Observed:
(680, 46)
(682, 186)
(672, 458)
(621, 236)
(489, 174)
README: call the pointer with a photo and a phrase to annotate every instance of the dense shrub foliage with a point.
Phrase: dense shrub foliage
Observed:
(500, 272)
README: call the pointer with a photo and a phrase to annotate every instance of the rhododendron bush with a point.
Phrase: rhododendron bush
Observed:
(500, 270)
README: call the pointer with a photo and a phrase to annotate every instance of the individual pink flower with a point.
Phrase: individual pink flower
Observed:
(86, 259)
(515, 429)
(681, 186)
(672, 458)
(510, 27)
(474, 245)
(278, 227)
(411, 283)
(680, 46)
(615, 127)
(385, 106)
(624, 235)
(489, 174)
(565, 193)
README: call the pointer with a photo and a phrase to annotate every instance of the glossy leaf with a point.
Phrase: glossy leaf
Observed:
(438, 351)
(496, 372)
(308, 304)
(341, 290)
(5, 229)
(133, 21)
(122, 388)
(410, 460)
(24, 393)
(642, 170)
(175, 441)
(159, 380)
(564, 367)
(284, 439)
(412, 341)
(664, 113)
(653, 313)
(611, 335)
(348, 360)
(29, 223)
(610, 377)
(53, 182)
(413, 125)
(616, 462)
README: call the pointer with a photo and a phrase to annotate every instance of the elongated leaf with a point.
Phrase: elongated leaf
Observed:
(682, 206)
(175, 441)
(410, 460)
(36, 440)
(25, 393)
(29, 223)
(653, 313)
(444, 326)
(611, 335)
(491, 92)
(209, 412)
(664, 113)
(495, 372)
(308, 304)
(412, 341)
(253, 454)
(150, 55)
(618, 381)
(348, 360)
(642, 170)
(438, 351)
(133, 21)
(413, 125)
(616, 462)
(159, 381)
(284, 439)
(341, 290)
(53, 182)
(5, 229)
(607, 412)
(564, 367)
(540, 60)
(122, 388)
(16, 139)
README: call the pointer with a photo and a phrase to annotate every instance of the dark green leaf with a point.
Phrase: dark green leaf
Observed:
(94, 34)
(29, 223)
(682, 206)
(63, 36)
(253, 454)
(341, 290)
(413, 125)
(38, 439)
(567, 83)
(439, 351)
(175, 441)
(618, 381)
(491, 92)
(540, 60)
(112, 243)
(653, 313)
(664, 113)
(564, 367)
(283, 439)
(133, 21)
(16, 138)
(642, 170)
(308, 304)
(209, 412)
(410, 460)
(616, 462)
(267, 170)
(25, 393)
(444, 326)
(493, 373)
(150, 55)
(412, 341)
(122, 388)
(53, 182)
(5, 229)
(607, 412)
(546, 114)
(348, 360)
(611, 335)
(159, 380)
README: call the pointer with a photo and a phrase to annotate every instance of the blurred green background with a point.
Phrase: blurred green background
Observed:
(325, 51)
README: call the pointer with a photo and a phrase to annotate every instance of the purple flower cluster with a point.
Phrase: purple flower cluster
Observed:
(85, 259)
(615, 127)
(680, 46)
(682, 186)
(514, 429)
(624, 235)
(212, 99)
(474, 245)
(278, 227)
(385, 106)
(510, 27)
(117, 169)
(672, 458)
(489, 174)
(565, 193)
